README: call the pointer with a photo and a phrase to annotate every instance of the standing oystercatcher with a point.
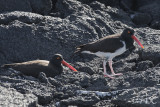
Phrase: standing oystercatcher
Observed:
(110, 47)
(33, 68)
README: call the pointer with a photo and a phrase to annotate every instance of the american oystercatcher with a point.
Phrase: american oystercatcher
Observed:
(109, 47)
(33, 68)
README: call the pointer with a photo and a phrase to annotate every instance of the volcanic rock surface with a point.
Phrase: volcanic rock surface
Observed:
(37, 29)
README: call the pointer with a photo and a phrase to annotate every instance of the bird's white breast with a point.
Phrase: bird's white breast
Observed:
(109, 54)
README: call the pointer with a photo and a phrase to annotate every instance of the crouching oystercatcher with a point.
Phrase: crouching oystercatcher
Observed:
(33, 68)
(109, 47)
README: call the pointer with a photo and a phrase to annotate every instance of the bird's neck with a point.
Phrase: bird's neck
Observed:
(52, 63)
(129, 42)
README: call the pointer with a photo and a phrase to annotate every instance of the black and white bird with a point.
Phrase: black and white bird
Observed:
(109, 47)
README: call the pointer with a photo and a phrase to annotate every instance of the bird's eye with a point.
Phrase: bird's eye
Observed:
(58, 57)
(129, 32)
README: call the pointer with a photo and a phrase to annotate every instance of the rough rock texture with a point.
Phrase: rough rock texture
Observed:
(139, 97)
(28, 34)
(9, 97)
(41, 6)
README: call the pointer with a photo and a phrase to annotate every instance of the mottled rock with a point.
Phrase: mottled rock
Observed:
(10, 97)
(42, 78)
(144, 65)
(151, 39)
(139, 97)
(86, 100)
(29, 36)
(152, 54)
(66, 91)
(132, 79)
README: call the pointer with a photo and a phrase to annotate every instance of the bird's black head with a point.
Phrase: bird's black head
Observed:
(127, 33)
(128, 37)
(56, 59)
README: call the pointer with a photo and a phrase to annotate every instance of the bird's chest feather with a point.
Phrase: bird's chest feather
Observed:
(111, 55)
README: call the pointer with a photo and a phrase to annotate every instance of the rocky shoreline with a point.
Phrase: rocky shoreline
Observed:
(32, 29)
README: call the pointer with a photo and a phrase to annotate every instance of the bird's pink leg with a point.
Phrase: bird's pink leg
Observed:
(112, 71)
(105, 73)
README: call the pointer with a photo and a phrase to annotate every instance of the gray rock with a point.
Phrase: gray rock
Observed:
(151, 50)
(139, 97)
(29, 36)
(88, 100)
(144, 65)
(42, 91)
(133, 79)
(152, 54)
(10, 97)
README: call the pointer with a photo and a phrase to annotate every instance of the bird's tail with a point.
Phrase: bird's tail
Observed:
(79, 49)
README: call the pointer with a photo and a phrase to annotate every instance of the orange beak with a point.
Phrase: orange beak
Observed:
(68, 65)
(135, 38)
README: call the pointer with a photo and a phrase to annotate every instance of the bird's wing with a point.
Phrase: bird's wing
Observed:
(29, 67)
(106, 44)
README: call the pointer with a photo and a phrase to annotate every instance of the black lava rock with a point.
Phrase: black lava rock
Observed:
(35, 29)
(141, 18)
(144, 65)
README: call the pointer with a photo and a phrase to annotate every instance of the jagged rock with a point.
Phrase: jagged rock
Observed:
(144, 65)
(42, 78)
(66, 91)
(10, 97)
(54, 82)
(133, 79)
(29, 36)
(151, 50)
(152, 54)
(88, 100)
(139, 97)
